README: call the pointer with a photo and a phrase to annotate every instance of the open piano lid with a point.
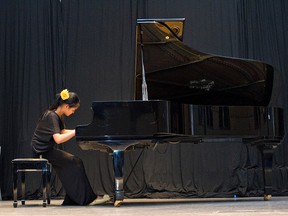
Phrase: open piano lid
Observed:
(176, 72)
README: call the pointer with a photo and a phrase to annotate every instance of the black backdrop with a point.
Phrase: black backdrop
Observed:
(88, 47)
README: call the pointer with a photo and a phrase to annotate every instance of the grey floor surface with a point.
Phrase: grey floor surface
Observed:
(150, 207)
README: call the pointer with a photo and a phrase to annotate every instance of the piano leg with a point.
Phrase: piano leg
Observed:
(267, 160)
(118, 164)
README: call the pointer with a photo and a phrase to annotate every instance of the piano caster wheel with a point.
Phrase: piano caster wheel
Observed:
(117, 203)
(267, 197)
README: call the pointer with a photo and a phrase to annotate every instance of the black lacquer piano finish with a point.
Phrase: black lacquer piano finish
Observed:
(193, 97)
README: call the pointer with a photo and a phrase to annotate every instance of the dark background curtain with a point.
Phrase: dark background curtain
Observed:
(89, 47)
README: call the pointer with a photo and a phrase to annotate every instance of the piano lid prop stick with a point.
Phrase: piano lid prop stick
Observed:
(144, 85)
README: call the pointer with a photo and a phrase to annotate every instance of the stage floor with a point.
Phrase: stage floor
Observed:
(150, 207)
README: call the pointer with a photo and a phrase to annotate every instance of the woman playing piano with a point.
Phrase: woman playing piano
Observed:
(51, 131)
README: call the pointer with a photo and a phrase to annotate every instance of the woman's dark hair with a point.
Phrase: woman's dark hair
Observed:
(72, 101)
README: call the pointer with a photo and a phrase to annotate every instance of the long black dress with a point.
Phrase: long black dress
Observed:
(68, 167)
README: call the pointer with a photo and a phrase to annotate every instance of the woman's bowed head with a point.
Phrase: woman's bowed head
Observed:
(66, 103)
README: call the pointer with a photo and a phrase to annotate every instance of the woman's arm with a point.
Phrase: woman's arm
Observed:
(66, 131)
(64, 136)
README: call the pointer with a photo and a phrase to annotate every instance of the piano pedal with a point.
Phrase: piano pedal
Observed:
(267, 197)
(118, 203)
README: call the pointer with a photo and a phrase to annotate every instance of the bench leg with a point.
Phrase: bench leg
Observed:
(15, 181)
(48, 187)
(44, 183)
(23, 187)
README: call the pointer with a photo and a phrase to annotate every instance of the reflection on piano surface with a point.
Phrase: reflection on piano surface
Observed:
(176, 72)
(193, 96)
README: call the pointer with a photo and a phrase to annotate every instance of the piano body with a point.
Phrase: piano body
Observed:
(193, 97)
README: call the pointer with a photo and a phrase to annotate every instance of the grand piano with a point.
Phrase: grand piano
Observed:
(183, 95)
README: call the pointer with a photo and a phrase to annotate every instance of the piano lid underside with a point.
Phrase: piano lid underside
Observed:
(177, 72)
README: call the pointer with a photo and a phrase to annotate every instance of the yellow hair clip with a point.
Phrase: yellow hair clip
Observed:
(64, 94)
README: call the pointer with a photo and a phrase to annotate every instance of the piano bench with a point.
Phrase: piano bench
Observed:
(22, 165)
